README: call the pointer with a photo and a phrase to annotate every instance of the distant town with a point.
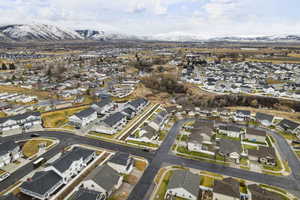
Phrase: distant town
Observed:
(149, 120)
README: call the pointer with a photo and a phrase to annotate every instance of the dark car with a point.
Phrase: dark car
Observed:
(35, 135)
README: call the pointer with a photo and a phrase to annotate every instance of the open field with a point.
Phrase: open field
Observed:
(57, 118)
(33, 92)
(31, 147)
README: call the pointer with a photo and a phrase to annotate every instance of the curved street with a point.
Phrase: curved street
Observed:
(164, 156)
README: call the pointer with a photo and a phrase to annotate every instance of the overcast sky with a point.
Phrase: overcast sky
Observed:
(145, 17)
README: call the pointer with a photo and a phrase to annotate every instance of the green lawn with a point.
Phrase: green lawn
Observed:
(185, 150)
(163, 186)
(143, 143)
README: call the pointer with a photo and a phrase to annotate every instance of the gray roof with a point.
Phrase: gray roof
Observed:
(288, 124)
(185, 179)
(243, 112)
(85, 113)
(253, 131)
(104, 176)
(128, 111)
(230, 128)
(199, 124)
(84, 194)
(114, 119)
(137, 102)
(263, 152)
(65, 161)
(264, 117)
(7, 147)
(20, 117)
(230, 146)
(120, 158)
(104, 102)
(258, 193)
(42, 182)
(228, 186)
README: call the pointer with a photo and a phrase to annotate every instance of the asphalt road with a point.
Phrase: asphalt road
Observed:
(162, 155)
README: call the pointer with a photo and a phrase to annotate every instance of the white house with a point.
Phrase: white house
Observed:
(121, 162)
(112, 123)
(9, 152)
(103, 179)
(230, 131)
(84, 117)
(183, 184)
(103, 106)
(72, 162)
(23, 121)
(42, 184)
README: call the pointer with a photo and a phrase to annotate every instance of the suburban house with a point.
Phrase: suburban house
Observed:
(264, 119)
(148, 134)
(9, 152)
(183, 184)
(84, 194)
(257, 193)
(129, 112)
(231, 149)
(103, 106)
(289, 126)
(264, 155)
(121, 162)
(72, 162)
(200, 138)
(226, 189)
(103, 179)
(158, 122)
(230, 131)
(23, 121)
(113, 123)
(255, 135)
(137, 104)
(242, 115)
(84, 117)
(42, 184)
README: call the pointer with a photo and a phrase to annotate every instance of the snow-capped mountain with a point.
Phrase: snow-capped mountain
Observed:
(91, 34)
(40, 32)
(271, 38)
(176, 36)
(44, 32)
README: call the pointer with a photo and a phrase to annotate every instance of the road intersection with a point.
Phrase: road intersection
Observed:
(162, 156)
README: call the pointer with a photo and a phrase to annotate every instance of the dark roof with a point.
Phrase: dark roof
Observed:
(288, 124)
(128, 111)
(20, 117)
(104, 176)
(228, 186)
(199, 124)
(258, 193)
(9, 197)
(114, 119)
(163, 114)
(243, 112)
(185, 179)
(120, 158)
(104, 102)
(137, 102)
(229, 146)
(253, 131)
(7, 147)
(42, 182)
(85, 194)
(171, 109)
(230, 128)
(85, 113)
(65, 161)
(263, 152)
(264, 117)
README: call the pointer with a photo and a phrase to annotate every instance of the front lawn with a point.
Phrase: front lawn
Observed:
(147, 144)
(207, 181)
(185, 150)
(163, 186)
(31, 147)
